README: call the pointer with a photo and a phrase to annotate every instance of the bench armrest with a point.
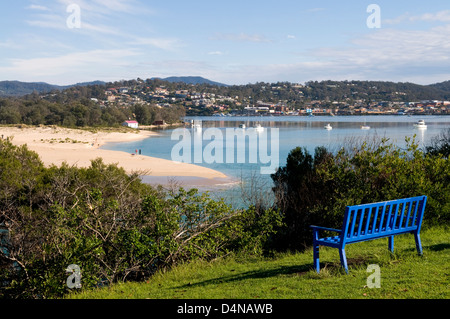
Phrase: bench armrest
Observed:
(325, 228)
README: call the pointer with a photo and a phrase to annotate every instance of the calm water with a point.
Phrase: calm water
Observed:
(295, 131)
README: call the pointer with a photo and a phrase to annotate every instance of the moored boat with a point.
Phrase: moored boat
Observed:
(421, 125)
(258, 128)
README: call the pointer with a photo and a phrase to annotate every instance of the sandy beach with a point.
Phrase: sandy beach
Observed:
(56, 145)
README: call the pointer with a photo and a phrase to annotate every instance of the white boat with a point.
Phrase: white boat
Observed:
(197, 127)
(365, 127)
(421, 125)
(328, 127)
(258, 128)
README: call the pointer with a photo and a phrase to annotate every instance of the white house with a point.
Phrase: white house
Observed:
(132, 124)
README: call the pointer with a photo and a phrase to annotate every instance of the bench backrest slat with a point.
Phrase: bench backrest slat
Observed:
(376, 219)
(407, 221)
(415, 214)
(393, 222)
(369, 214)
(382, 223)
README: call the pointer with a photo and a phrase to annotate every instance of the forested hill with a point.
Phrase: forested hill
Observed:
(190, 80)
(445, 86)
(378, 90)
(17, 88)
(313, 90)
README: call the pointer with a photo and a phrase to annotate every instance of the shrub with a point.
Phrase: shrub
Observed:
(440, 145)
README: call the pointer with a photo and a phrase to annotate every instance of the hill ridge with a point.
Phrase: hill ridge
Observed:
(190, 80)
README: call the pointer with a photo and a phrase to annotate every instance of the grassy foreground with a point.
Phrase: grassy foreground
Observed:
(291, 276)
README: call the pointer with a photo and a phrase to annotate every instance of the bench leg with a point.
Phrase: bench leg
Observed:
(343, 259)
(418, 244)
(391, 244)
(316, 258)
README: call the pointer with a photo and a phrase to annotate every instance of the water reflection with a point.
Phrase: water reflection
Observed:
(394, 127)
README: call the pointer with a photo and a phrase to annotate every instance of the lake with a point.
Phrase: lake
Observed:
(289, 132)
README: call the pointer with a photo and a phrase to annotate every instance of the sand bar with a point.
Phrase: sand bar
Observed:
(56, 145)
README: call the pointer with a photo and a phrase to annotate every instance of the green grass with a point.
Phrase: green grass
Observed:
(404, 275)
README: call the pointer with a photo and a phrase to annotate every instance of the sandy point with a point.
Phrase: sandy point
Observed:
(56, 145)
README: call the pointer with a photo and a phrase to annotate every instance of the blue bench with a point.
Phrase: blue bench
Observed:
(372, 221)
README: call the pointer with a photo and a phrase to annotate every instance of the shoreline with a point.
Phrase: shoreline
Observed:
(56, 145)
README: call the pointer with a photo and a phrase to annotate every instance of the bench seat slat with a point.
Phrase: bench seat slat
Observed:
(385, 234)
(370, 236)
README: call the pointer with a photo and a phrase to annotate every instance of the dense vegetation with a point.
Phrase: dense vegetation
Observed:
(110, 224)
(75, 108)
(17, 88)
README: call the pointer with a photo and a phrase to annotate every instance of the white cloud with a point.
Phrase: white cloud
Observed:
(116, 5)
(51, 21)
(38, 7)
(72, 66)
(216, 53)
(94, 14)
(9, 44)
(397, 20)
(241, 37)
(315, 10)
(419, 56)
(168, 44)
(98, 18)
(440, 16)
(105, 7)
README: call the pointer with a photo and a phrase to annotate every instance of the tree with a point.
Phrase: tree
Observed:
(298, 190)
(143, 114)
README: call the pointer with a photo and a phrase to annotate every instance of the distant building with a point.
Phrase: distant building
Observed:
(159, 123)
(132, 124)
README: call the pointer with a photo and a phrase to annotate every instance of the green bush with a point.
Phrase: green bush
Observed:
(190, 225)
(440, 145)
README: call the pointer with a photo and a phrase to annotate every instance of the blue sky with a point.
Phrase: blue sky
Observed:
(234, 42)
